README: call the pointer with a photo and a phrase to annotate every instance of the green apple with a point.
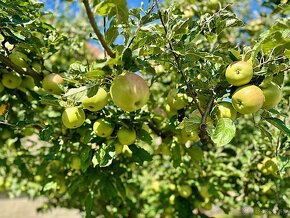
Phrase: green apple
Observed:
(27, 83)
(273, 95)
(19, 58)
(248, 99)
(11, 80)
(226, 110)
(176, 100)
(75, 163)
(239, 73)
(126, 136)
(129, 92)
(96, 102)
(52, 83)
(118, 148)
(184, 190)
(103, 128)
(28, 131)
(73, 117)
(1, 87)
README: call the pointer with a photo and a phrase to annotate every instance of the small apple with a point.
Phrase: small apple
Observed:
(73, 117)
(28, 131)
(176, 100)
(184, 190)
(19, 58)
(75, 163)
(226, 110)
(248, 99)
(126, 136)
(239, 73)
(273, 95)
(118, 148)
(52, 83)
(11, 80)
(129, 92)
(103, 128)
(96, 102)
(27, 83)
(1, 87)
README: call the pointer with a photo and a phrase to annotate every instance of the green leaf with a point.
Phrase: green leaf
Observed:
(46, 133)
(139, 154)
(224, 132)
(50, 186)
(176, 155)
(77, 68)
(265, 133)
(89, 202)
(78, 94)
(86, 155)
(104, 156)
(279, 124)
(145, 136)
(111, 33)
(114, 7)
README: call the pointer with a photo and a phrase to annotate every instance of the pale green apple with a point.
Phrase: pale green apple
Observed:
(248, 99)
(96, 102)
(184, 190)
(27, 82)
(52, 83)
(19, 58)
(226, 110)
(129, 92)
(103, 128)
(11, 80)
(126, 136)
(75, 163)
(273, 95)
(239, 73)
(73, 117)
(176, 100)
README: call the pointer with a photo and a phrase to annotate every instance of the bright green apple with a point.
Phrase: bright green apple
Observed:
(226, 110)
(184, 190)
(11, 80)
(52, 83)
(96, 102)
(75, 163)
(27, 83)
(239, 73)
(248, 99)
(126, 136)
(103, 128)
(273, 95)
(19, 58)
(129, 92)
(176, 100)
(73, 117)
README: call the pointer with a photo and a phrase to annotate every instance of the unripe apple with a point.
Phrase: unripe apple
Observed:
(19, 58)
(248, 99)
(73, 117)
(11, 80)
(239, 73)
(226, 110)
(126, 136)
(1, 87)
(96, 102)
(52, 83)
(129, 92)
(75, 163)
(118, 148)
(184, 190)
(27, 83)
(103, 128)
(273, 95)
(176, 100)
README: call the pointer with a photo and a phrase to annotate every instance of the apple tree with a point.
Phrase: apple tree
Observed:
(166, 110)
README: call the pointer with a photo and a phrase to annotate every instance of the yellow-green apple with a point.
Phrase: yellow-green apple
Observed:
(239, 73)
(226, 110)
(27, 82)
(73, 117)
(75, 163)
(96, 102)
(11, 80)
(103, 128)
(19, 58)
(52, 83)
(129, 92)
(248, 99)
(118, 148)
(273, 95)
(1, 87)
(126, 136)
(184, 190)
(177, 100)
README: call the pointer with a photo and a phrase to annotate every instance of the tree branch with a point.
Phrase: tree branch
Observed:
(96, 29)
(18, 69)
(176, 57)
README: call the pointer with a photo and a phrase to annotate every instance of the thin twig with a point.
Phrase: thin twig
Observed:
(176, 57)
(269, 61)
(206, 113)
(96, 29)
(105, 23)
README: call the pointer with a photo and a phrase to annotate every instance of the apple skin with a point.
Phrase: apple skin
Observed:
(96, 102)
(73, 117)
(184, 190)
(239, 73)
(52, 82)
(1, 87)
(176, 100)
(11, 80)
(103, 128)
(126, 136)
(273, 95)
(19, 58)
(129, 92)
(27, 82)
(226, 110)
(248, 99)
(75, 163)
